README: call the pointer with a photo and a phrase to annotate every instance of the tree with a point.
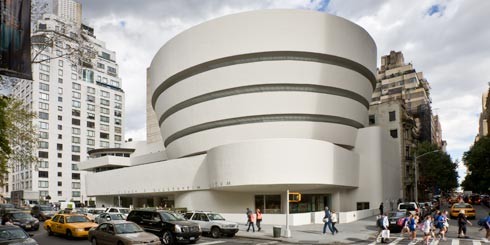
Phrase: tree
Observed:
(477, 160)
(17, 135)
(436, 170)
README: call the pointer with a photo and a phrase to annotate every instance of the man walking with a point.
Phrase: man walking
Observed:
(327, 219)
(381, 209)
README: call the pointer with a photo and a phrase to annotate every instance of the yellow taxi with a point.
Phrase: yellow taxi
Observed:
(70, 225)
(469, 211)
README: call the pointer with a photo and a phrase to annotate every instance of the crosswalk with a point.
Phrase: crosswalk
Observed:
(449, 241)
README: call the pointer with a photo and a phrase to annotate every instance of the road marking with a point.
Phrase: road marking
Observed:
(454, 242)
(434, 242)
(265, 243)
(207, 243)
(475, 242)
(397, 240)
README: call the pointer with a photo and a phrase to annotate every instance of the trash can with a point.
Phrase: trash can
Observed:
(276, 231)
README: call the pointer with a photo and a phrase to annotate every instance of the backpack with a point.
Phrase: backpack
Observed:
(483, 222)
(400, 222)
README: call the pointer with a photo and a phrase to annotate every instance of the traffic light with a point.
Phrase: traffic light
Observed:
(294, 197)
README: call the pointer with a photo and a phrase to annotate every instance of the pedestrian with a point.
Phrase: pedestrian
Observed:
(381, 209)
(327, 221)
(384, 225)
(405, 228)
(259, 218)
(247, 214)
(462, 222)
(251, 220)
(412, 225)
(487, 227)
(334, 221)
(426, 228)
(440, 223)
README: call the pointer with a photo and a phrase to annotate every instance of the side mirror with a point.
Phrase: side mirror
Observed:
(108, 218)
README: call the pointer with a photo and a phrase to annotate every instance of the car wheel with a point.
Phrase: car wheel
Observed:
(50, 233)
(94, 241)
(120, 243)
(215, 232)
(167, 238)
(68, 234)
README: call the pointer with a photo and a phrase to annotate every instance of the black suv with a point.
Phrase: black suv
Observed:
(169, 226)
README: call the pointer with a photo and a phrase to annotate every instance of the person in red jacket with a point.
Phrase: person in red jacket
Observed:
(259, 218)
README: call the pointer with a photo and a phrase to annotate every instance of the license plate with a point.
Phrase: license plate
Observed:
(28, 226)
(192, 238)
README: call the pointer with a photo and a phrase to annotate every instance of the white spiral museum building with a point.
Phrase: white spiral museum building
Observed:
(251, 105)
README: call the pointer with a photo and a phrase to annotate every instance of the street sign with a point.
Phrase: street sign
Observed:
(294, 197)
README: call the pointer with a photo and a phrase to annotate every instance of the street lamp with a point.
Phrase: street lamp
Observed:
(416, 173)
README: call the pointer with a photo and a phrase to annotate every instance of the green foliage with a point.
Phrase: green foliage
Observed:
(477, 160)
(17, 135)
(436, 170)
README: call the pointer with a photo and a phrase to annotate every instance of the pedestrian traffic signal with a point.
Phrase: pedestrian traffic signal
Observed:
(294, 197)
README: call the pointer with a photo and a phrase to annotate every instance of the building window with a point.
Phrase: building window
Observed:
(59, 147)
(60, 108)
(43, 125)
(75, 158)
(43, 164)
(44, 77)
(100, 65)
(104, 119)
(90, 107)
(117, 121)
(43, 96)
(75, 131)
(60, 72)
(104, 102)
(43, 154)
(43, 106)
(372, 119)
(394, 133)
(88, 76)
(90, 116)
(392, 116)
(104, 127)
(43, 115)
(60, 127)
(60, 183)
(104, 110)
(118, 97)
(60, 164)
(60, 155)
(60, 118)
(90, 124)
(43, 135)
(43, 145)
(362, 205)
(75, 194)
(43, 67)
(76, 86)
(60, 193)
(91, 98)
(75, 148)
(117, 130)
(74, 167)
(43, 86)
(106, 56)
(90, 142)
(90, 133)
(60, 80)
(118, 105)
(104, 94)
(76, 95)
(60, 99)
(117, 113)
(75, 140)
(43, 184)
(59, 174)
(75, 185)
(104, 144)
(43, 174)
(75, 176)
(111, 70)
(117, 137)
(60, 63)
(75, 103)
(74, 76)
(268, 203)
(104, 136)
(75, 121)
(90, 90)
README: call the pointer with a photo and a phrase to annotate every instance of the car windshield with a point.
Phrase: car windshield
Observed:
(172, 216)
(97, 211)
(124, 210)
(215, 217)
(462, 205)
(46, 208)
(128, 228)
(12, 234)
(21, 216)
(117, 217)
(76, 219)
(407, 206)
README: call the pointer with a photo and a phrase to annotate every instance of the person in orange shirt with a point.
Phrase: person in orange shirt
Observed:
(259, 218)
(251, 221)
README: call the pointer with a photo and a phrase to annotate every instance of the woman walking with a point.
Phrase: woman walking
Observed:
(412, 225)
(334, 221)
(259, 218)
(462, 221)
(251, 221)
(426, 228)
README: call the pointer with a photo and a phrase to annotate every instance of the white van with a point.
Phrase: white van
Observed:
(67, 205)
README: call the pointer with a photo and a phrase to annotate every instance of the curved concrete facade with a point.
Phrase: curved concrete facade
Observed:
(260, 75)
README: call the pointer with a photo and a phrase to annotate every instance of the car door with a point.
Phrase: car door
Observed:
(101, 234)
(60, 225)
(199, 219)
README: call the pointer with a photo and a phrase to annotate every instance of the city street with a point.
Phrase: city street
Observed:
(311, 234)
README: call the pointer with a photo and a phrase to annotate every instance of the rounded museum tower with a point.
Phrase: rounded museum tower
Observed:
(263, 75)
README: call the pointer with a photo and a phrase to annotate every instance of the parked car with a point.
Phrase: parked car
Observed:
(70, 225)
(469, 211)
(485, 200)
(393, 218)
(104, 217)
(11, 234)
(475, 199)
(93, 213)
(121, 232)
(124, 211)
(42, 212)
(408, 206)
(213, 223)
(21, 219)
(170, 227)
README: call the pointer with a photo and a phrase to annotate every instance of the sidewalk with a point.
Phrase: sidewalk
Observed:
(361, 231)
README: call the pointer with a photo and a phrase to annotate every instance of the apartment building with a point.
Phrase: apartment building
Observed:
(77, 96)
(484, 120)
(401, 104)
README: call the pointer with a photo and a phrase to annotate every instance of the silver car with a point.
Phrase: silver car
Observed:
(104, 217)
(213, 223)
(121, 232)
